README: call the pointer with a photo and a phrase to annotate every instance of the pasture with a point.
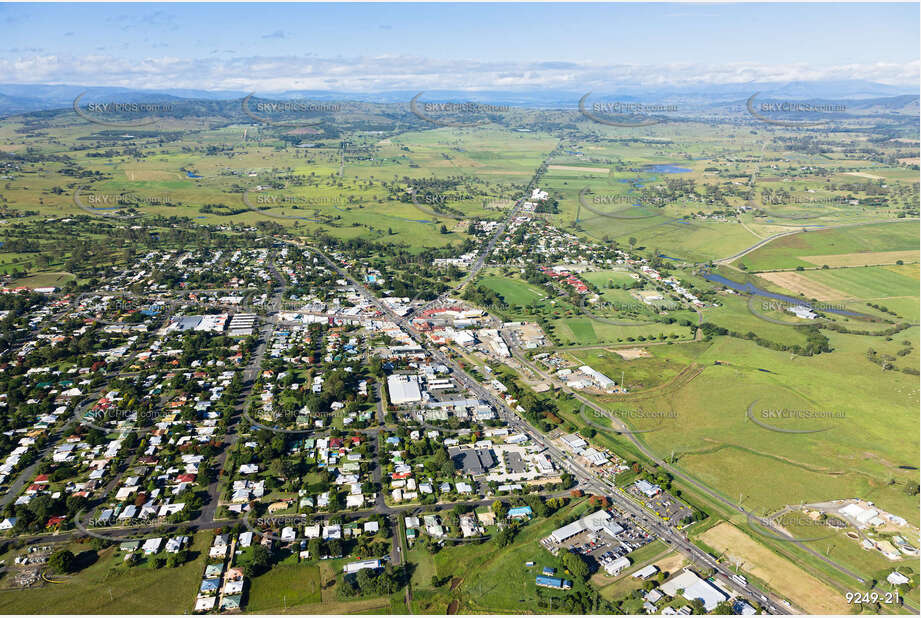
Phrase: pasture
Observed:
(809, 249)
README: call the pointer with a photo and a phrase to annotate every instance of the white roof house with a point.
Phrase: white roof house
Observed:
(152, 546)
(646, 572)
(574, 441)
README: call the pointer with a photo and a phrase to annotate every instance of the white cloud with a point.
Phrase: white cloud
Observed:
(381, 73)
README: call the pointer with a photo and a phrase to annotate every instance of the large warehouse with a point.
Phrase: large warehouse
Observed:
(403, 389)
(475, 461)
(593, 522)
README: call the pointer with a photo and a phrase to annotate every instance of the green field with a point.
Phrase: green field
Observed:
(488, 580)
(283, 586)
(109, 587)
(870, 282)
(784, 252)
(514, 291)
(641, 373)
(588, 331)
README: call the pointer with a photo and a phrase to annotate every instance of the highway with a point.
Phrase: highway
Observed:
(586, 478)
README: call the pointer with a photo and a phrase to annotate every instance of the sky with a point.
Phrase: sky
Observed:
(375, 47)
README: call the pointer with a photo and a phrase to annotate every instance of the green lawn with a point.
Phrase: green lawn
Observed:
(284, 585)
(491, 580)
(514, 291)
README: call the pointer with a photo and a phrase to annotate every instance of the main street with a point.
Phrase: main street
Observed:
(585, 477)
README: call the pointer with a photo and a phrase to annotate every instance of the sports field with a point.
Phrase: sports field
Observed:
(514, 291)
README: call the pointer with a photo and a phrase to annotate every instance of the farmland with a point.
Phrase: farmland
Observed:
(861, 242)
(375, 209)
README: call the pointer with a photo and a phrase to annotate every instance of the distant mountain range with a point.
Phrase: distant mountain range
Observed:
(22, 98)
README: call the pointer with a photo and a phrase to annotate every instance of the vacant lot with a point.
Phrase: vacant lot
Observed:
(863, 175)
(802, 588)
(283, 586)
(632, 353)
(109, 587)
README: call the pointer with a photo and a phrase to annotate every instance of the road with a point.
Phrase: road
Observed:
(481, 259)
(623, 429)
(585, 477)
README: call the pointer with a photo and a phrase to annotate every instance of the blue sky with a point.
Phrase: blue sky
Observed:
(398, 46)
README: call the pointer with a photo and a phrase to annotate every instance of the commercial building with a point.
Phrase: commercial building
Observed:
(593, 522)
(614, 567)
(403, 389)
(473, 461)
(693, 587)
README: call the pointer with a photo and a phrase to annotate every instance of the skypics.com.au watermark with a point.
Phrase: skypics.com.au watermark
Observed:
(624, 114)
(267, 525)
(111, 529)
(260, 202)
(453, 114)
(111, 200)
(803, 310)
(805, 201)
(645, 414)
(667, 305)
(611, 205)
(117, 418)
(288, 113)
(774, 112)
(800, 413)
(425, 201)
(111, 114)
(270, 200)
(765, 528)
(771, 418)
(777, 305)
(631, 415)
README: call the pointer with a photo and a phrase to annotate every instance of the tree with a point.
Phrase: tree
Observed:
(443, 229)
(364, 580)
(576, 565)
(313, 546)
(62, 561)
(500, 510)
(723, 608)
(261, 561)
